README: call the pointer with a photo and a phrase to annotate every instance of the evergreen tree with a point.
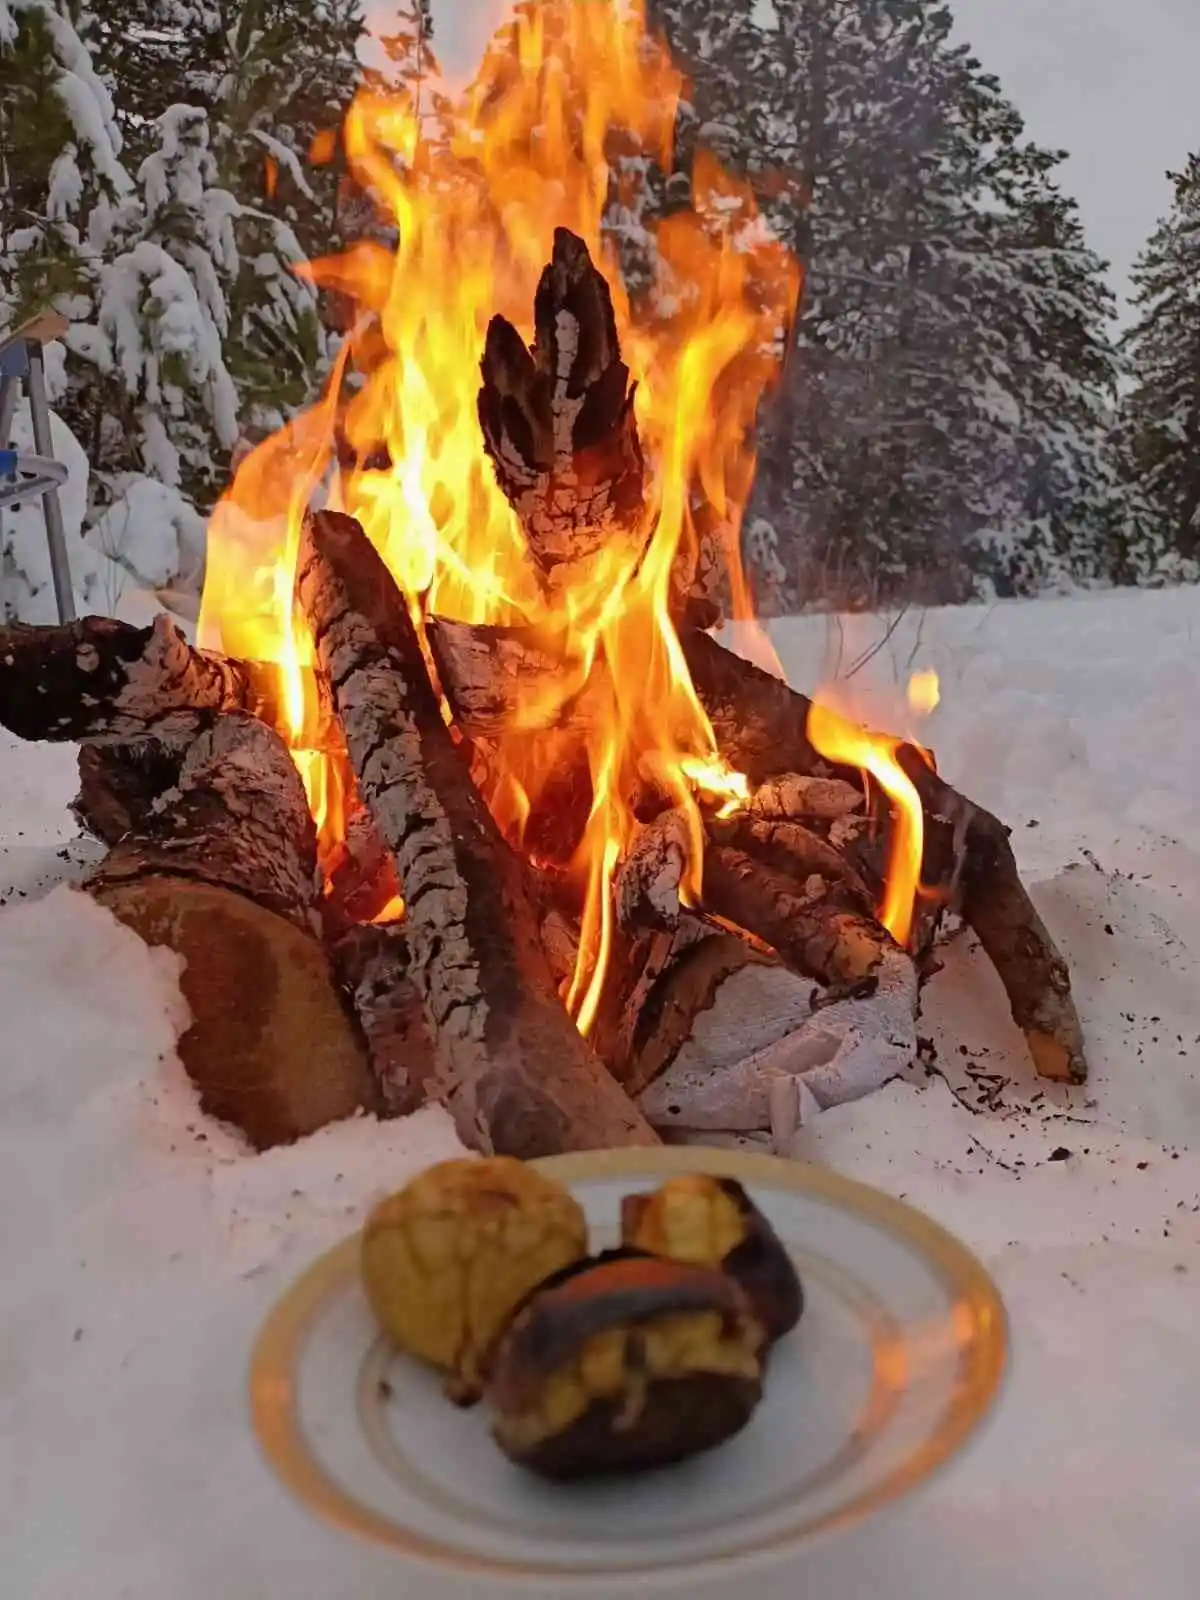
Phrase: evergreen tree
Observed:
(949, 304)
(1162, 415)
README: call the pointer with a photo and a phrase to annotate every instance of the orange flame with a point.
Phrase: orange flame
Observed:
(838, 739)
(560, 88)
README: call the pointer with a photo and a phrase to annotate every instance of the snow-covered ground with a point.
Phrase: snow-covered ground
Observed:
(140, 1245)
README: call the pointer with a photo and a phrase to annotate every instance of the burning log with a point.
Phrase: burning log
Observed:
(558, 420)
(214, 854)
(667, 981)
(511, 1067)
(818, 928)
(761, 727)
(100, 680)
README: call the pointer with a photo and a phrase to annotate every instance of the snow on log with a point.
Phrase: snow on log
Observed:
(103, 680)
(558, 420)
(220, 864)
(510, 1065)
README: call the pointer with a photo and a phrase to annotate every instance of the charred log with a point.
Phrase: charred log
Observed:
(102, 680)
(558, 420)
(511, 1067)
(220, 865)
(762, 727)
(819, 928)
(372, 965)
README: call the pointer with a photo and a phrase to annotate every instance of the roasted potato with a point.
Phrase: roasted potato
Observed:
(447, 1260)
(626, 1363)
(713, 1222)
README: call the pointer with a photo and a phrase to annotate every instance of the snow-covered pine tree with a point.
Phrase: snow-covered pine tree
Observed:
(1072, 519)
(943, 422)
(1161, 423)
(62, 179)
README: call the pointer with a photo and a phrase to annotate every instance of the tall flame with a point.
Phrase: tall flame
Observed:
(530, 147)
(839, 739)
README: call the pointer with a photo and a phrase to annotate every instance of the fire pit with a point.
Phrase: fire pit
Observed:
(465, 800)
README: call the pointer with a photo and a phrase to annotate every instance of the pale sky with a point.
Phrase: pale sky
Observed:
(1112, 81)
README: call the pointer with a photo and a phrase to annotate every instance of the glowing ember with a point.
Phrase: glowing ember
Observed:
(529, 152)
(392, 912)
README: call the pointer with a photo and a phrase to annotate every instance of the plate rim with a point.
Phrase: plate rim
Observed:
(971, 1291)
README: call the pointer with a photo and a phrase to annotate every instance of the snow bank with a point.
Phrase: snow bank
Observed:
(142, 1245)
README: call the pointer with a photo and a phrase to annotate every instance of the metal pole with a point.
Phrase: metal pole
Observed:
(9, 389)
(43, 443)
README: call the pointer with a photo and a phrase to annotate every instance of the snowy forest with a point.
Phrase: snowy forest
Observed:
(958, 416)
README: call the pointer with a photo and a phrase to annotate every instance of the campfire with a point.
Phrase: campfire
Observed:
(461, 798)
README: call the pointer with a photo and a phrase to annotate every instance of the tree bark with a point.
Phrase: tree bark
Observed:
(103, 680)
(220, 865)
(372, 965)
(818, 928)
(511, 1067)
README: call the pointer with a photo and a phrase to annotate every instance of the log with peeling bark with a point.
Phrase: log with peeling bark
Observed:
(558, 420)
(761, 728)
(819, 928)
(214, 854)
(102, 680)
(510, 1066)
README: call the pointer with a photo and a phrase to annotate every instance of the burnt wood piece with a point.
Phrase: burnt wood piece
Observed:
(361, 881)
(511, 1067)
(102, 680)
(220, 865)
(656, 996)
(790, 849)
(648, 881)
(558, 420)
(761, 728)
(372, 965)
(819, 928)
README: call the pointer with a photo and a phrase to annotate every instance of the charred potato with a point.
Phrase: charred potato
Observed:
(626, 1363)
(447, 1260)
(713, 1222)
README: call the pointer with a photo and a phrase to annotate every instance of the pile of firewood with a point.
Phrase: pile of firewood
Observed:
(306, 1006)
